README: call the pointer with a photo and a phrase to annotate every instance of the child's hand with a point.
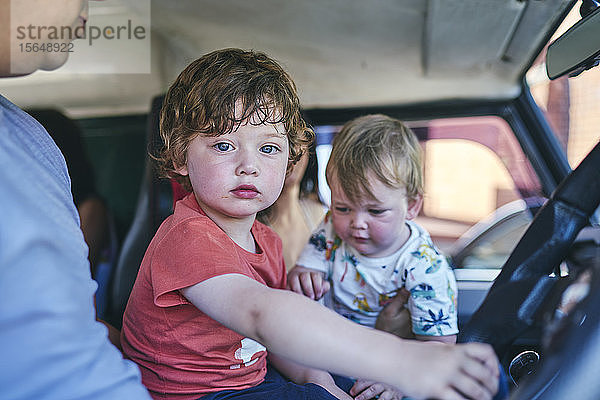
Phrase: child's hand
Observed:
(365, 389)
(308, 282)
(444, 371)
(337, 392)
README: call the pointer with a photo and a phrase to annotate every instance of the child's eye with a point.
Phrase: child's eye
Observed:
(342, 209)
(269, 149)
(223, 146)
(376, 211)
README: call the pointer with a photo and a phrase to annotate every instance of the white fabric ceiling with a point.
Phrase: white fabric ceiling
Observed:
(340, 52)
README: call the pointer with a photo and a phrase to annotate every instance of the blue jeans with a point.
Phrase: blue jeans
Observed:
(276, 386)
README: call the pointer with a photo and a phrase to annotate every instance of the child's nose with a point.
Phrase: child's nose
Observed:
(247, 164)
(358, 221)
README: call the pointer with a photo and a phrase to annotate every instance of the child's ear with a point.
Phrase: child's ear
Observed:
(182, 170)
(414, 206)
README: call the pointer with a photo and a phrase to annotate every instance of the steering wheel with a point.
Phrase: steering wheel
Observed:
(522, 286)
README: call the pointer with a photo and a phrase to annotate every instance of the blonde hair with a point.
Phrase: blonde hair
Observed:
(379, 146)
(203, 98)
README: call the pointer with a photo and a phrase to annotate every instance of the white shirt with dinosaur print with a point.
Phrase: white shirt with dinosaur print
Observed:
(361, 286)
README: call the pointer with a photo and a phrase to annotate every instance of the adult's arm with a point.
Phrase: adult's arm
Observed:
(51, 344)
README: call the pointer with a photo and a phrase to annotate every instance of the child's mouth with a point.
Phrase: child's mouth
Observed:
(245, 192)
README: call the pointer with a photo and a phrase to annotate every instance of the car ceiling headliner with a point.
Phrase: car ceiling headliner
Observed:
(340, 52)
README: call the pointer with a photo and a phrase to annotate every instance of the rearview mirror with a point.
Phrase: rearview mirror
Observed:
(576, 50)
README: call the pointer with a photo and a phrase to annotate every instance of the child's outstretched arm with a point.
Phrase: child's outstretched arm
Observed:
(309, 282)
(294, 327)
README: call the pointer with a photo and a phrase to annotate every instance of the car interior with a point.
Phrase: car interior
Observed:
(512, 180)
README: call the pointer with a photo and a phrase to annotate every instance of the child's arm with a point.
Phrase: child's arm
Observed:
(303, 331)
(301, 375)
(309, 282)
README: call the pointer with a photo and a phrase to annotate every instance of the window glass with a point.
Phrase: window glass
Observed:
(478, 179)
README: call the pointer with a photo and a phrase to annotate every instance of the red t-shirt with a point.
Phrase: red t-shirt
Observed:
(182, 352)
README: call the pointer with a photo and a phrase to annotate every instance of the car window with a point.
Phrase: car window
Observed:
(473, 166)
(570, 104)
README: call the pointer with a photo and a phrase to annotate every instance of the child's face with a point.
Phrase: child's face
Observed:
(240, 173)
(375, 228)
